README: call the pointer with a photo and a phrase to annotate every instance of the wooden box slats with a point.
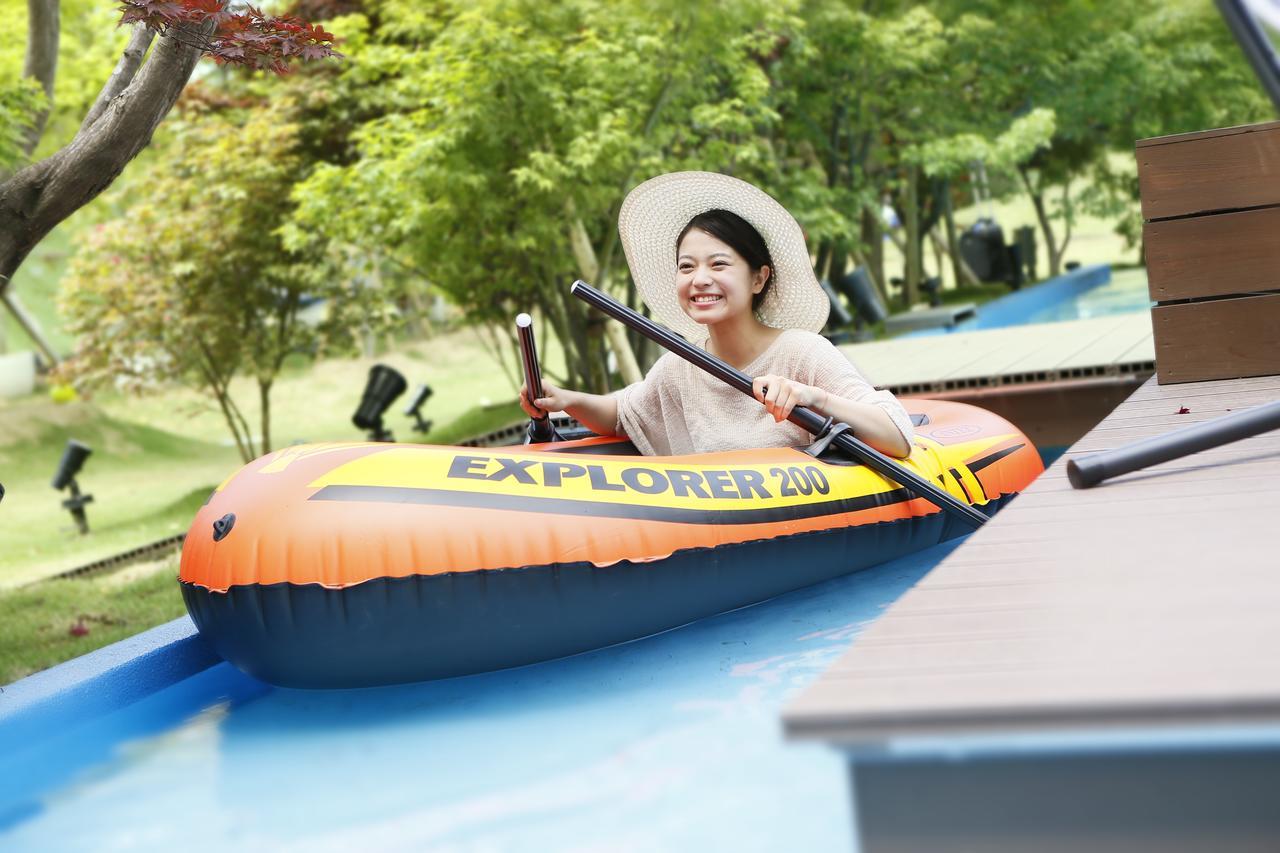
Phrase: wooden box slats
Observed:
(1212, 237)
(1228, 169)
(1219, 255)
(1209, 340)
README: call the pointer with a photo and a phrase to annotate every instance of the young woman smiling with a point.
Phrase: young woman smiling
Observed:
(702, 249)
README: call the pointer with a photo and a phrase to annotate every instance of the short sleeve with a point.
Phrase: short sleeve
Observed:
(829, 368)
(640, 410)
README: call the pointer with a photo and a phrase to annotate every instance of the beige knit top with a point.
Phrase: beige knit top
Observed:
(678, 409)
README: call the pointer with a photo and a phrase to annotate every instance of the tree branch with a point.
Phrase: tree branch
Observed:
(41, 63)
(122, 76)
(43, 194)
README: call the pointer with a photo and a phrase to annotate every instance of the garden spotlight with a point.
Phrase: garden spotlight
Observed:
(384, 385)
(65, 477)
(415, 405)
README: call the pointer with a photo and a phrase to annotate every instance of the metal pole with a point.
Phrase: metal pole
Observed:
(1254, 44)
(807, 419)
(1093, 469)
(540, 429)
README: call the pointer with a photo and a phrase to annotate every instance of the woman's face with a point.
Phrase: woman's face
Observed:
(713, 281)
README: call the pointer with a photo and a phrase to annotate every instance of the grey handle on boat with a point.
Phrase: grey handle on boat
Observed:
(807, 419)
(1093, 469)
(540, 429)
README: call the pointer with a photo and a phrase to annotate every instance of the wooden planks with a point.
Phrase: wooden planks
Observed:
(1227, 169)
(1101, 346)
(1213, 255)
(1206, 263)
(1149, 600)
(1211, 340)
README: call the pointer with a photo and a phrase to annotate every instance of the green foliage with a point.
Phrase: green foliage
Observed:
(20, 100)
(89, 45)
(507, 124)
(193, 283)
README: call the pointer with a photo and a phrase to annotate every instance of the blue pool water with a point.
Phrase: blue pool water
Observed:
(669, 743)
(1125, 293)
(1083, 294)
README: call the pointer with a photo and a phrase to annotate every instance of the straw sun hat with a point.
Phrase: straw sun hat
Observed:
(654, 214)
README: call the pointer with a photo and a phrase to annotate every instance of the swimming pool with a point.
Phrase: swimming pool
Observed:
(668, 743)
(1081, 294)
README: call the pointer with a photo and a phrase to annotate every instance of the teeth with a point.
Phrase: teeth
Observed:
(706, 298)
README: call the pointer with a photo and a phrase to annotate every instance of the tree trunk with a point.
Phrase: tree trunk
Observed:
(1046, 226)
(873, 236)
(43, 194)
(960, 272)
(41, 63)
(264, 401)
(958, 265)
(615, 333)
(911, 275)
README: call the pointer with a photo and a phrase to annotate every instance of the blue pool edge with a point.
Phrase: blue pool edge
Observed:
(102, 681)
(1014, 308)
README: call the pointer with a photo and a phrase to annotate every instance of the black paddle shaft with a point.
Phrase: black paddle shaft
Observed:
(802, 417)
(1093, 469)
(540, 429)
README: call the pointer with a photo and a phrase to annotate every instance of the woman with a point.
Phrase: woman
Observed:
(720, 261)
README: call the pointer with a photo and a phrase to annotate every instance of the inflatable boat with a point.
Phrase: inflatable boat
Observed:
(344, 565)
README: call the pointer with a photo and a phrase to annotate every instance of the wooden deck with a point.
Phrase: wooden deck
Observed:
(1149, 601)
(1093, 670)
(1044, 352)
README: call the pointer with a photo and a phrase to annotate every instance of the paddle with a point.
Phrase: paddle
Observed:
(807, 419)
(1089, 471)
(540, 429)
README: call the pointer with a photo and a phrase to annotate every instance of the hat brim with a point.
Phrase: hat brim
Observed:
(654, 214)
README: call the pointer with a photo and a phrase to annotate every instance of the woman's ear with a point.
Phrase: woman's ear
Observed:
(762, 276)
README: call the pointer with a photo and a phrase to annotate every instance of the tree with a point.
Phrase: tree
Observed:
(192, 283)
(884, 101)
(1112, 74)
(513, 131)
(138, 95)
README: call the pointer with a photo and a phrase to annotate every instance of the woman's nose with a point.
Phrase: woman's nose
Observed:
(701, 277)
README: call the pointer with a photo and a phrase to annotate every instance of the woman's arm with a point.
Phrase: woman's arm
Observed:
(597, 412)
(870, 423)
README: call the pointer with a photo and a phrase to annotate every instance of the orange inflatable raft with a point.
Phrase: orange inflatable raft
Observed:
(340, 565)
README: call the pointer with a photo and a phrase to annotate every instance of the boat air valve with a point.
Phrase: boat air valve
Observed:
(223, 526)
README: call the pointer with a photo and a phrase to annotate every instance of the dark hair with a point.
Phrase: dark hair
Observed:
(741, 236)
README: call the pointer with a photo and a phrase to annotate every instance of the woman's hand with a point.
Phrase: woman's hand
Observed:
(553, 400)
(780, 395)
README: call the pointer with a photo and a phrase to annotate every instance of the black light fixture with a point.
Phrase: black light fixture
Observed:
(414, 410)
(384, 385)
(72, 461)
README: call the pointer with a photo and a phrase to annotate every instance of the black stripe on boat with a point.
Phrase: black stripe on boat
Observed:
(994, 458)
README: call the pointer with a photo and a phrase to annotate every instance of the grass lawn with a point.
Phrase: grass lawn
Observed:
(156, 459)
(47, 623)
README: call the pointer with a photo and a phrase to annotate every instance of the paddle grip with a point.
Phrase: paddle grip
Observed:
(540, 429)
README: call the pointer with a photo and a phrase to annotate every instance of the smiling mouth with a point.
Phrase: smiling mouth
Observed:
(704, 299)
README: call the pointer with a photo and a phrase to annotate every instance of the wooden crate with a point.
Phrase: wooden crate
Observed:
(1211, 201)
